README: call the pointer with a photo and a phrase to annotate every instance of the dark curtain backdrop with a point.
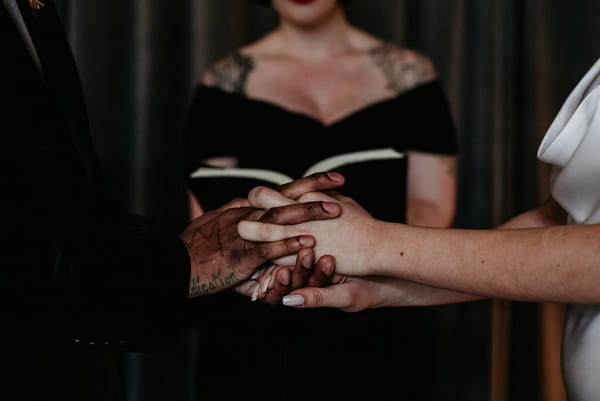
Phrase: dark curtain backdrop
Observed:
(507, 65)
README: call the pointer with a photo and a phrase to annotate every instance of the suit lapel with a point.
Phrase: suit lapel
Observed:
(62, 78)
(13, 10)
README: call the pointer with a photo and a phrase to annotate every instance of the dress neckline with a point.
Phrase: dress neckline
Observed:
(340, 120)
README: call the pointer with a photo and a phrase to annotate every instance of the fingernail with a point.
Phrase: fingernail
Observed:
(265, 286)
(335, 176)
(293, 300)
(255, 293)
(330, 207)
(306, 262)
(307, 241)
(328, 268)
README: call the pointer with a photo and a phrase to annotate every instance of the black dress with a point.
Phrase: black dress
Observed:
(277, 353)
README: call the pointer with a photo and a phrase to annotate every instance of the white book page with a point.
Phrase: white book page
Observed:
(259, 174)
(331, 163)
(275, 177)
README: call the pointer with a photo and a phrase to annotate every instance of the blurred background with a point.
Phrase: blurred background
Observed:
(506, 65)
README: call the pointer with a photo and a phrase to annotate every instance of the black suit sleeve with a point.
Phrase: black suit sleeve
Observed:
(72, 261)
(113, 278)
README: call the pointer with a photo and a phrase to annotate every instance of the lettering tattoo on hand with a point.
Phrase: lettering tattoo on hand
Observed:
(216, 282)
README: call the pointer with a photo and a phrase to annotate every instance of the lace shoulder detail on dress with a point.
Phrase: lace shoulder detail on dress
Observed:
(404, 68)
(230, 74)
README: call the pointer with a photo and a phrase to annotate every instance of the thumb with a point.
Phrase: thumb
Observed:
(334, 296)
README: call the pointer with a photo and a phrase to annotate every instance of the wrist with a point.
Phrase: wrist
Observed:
(392, 250)
(382, 248)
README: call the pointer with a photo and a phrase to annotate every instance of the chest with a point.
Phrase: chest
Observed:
(325, 91)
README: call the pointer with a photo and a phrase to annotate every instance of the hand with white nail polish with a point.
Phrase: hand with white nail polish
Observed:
(360, 293)
(270, 284)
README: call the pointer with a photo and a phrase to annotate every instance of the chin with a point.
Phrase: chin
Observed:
(306, 12)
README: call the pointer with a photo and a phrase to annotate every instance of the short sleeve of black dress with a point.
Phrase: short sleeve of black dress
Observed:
(427, 120)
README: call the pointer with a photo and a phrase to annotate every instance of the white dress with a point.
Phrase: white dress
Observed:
(572, 147)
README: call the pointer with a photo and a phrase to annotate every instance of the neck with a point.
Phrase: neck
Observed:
(320, 40)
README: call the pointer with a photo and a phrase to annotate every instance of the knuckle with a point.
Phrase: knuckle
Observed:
(313, 210)
(272, 215)
(255, 215)
(321, 180)
(316, 177)
(257, 193)
(310, 197)
(260, 250)
(317, 297)
(291, 191)
(265, 232)
(291, 245)
(282, 188)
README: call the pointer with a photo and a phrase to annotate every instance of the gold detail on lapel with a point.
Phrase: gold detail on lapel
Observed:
(36, 5)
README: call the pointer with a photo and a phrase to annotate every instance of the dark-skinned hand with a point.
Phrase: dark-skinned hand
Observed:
(220, 259)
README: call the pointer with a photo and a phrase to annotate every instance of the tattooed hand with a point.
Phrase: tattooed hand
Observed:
(221, 259)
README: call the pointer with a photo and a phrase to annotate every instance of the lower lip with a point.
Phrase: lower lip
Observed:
(303, 2)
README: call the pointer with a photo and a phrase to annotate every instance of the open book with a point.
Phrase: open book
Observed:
(373, 177)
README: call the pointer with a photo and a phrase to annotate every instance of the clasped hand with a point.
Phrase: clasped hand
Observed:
(221, 259)
(352, 244)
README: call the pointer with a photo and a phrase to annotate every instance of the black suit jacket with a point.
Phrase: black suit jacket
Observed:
(74, 267)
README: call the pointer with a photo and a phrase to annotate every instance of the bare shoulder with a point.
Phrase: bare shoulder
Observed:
(230, 73)
(404, 68)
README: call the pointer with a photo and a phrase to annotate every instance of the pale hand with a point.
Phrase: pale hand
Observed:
(352, 238)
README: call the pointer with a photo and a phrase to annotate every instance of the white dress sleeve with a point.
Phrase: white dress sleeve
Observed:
(572, 147)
